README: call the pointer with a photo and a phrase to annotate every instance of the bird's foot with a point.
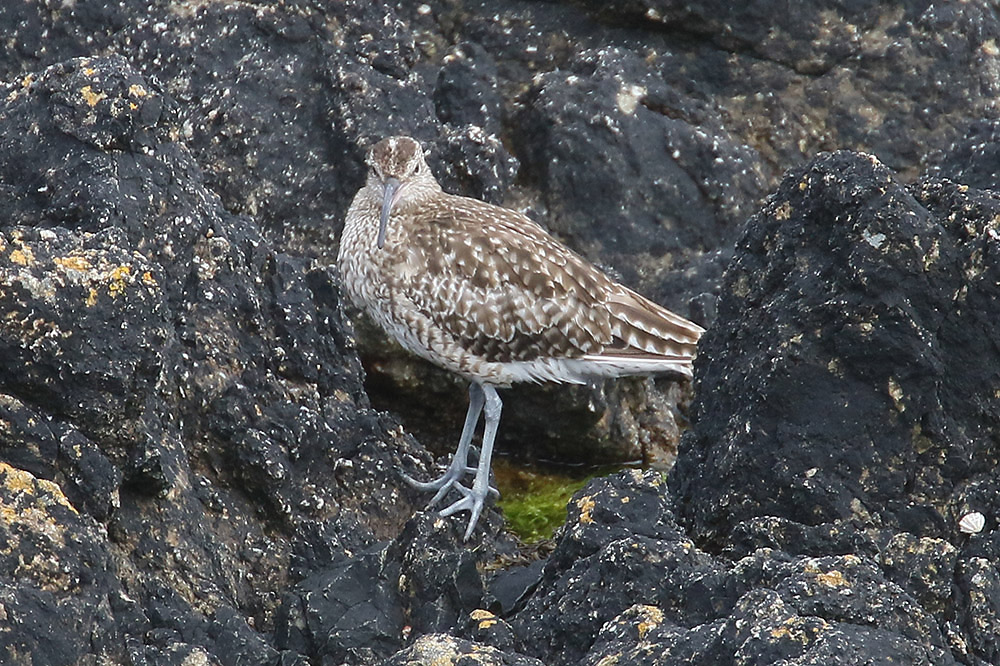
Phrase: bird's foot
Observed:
(442, 484)
(445, 482)
(473, 501)
(437, 483)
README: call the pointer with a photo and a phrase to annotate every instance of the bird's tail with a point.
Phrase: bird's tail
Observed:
(649, 339)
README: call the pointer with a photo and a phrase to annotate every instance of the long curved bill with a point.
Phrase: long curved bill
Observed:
(389, 198)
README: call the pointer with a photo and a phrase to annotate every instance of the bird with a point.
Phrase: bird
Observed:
(486, 293)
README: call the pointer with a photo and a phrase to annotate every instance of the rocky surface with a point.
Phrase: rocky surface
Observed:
(190, 467)
(180, 400)
(907, 375)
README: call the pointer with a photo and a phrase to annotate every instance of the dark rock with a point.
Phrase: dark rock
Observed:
(816, 587)
(612, 508)
(512, 585)
(267, 99)
(595, 603)
(859, 305)
(64, 289)
(974, 159)
(360, 608)
(811, 40)
(841, 312)
(974, 615)
(440, 583)
(340, 615)
(475, 162)
(92, 480)
(482, 626)
(466, 90)
(979, 582)
(237, 642)
(833, 538)
(922, 101)
(924, 567)
(769, 629)
(878, 580)
(642, 636)
(619, 544)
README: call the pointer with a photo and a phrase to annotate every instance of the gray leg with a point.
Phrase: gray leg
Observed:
(459, 462)
(476, 496)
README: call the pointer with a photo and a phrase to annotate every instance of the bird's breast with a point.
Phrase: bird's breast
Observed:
(357, 257)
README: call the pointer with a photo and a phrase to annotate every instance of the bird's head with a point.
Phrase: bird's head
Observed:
(399, 174)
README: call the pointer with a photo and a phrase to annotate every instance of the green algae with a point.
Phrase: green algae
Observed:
(534, 499)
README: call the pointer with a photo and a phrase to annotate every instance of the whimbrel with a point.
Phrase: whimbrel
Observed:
(486, 293)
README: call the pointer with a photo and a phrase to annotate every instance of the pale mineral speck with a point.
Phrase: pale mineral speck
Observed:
(972, 523)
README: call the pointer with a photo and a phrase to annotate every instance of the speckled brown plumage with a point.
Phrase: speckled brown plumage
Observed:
(485, 292)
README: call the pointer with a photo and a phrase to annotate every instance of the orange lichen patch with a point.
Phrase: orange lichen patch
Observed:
(22, 256)
(19, 484)
(653, 617)
(787, 630)
(485, 618)
(118, 279)
(25, 83)
(586, 505)
(16, 480)
(832, 579)
(54, 492)
(137, 90)
(26, 514)
(783, 212)
(800, 630)
(73, 262)
(781, 632)
(91, 97)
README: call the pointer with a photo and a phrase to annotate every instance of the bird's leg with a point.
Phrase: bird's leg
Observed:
(476, 496)
(459, 462)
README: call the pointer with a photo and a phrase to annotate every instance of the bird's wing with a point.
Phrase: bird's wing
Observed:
(502, 288)
(508, 291)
